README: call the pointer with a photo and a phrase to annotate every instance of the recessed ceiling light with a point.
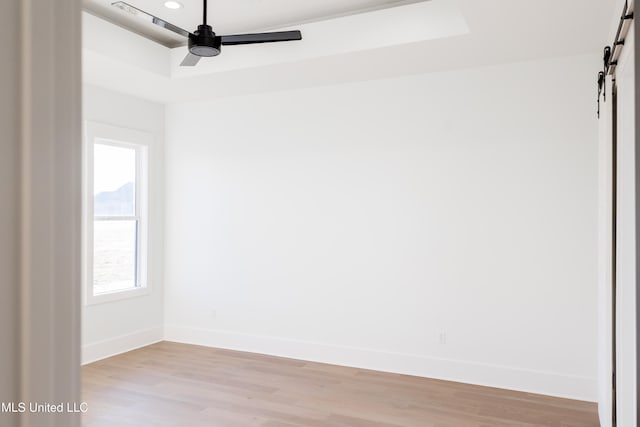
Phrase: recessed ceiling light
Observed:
(173, 5)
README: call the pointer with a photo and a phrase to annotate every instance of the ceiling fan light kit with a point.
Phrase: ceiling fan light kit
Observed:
(204, 42)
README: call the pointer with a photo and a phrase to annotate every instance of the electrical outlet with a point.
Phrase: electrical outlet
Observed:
(443, 338)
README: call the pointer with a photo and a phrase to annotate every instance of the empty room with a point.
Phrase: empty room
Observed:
(331, 213)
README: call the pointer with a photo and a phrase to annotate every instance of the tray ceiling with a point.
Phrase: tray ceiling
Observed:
(230, 17)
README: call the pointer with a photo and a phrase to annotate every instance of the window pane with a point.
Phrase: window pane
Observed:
(114, 180)
(114, 255)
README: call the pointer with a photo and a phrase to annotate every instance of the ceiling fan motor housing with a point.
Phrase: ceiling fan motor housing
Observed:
(204, 42)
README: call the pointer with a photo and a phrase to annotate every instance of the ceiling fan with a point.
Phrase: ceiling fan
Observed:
(203, 42)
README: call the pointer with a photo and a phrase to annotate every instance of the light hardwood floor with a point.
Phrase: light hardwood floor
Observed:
(170, 384)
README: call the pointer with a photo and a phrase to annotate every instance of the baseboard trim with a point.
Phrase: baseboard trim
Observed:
(121, 344)
(547, 383)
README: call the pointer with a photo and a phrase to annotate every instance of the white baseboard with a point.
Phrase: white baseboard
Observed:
(552, 384)
(121, 344)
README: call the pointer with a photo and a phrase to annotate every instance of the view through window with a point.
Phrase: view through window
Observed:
(116, 225)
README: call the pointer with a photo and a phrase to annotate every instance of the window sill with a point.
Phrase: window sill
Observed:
(117, 295)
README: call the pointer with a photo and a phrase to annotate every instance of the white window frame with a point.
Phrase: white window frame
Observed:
(100, 133)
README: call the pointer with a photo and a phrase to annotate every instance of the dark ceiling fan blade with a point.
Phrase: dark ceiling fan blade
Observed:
(280, 36)
(190, 60)
(150, 18)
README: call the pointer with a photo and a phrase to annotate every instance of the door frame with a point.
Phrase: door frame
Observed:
(48, 185)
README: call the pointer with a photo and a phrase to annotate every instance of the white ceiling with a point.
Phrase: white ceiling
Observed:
(231, 17)
(450, 34)
(408, 23)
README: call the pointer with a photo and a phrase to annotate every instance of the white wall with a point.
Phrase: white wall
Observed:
(355, 224)
(119, 326)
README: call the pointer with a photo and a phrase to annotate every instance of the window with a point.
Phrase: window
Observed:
(115, 223)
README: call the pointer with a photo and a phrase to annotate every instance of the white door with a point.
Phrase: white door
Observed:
(626, 252)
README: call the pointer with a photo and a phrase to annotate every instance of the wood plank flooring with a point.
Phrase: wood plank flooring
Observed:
(170, 384)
